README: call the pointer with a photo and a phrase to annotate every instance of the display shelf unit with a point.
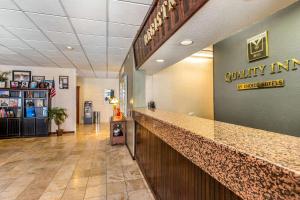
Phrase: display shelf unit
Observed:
(24, 112)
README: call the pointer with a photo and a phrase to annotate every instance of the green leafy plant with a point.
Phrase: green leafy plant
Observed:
(59, 116)
(4, 76)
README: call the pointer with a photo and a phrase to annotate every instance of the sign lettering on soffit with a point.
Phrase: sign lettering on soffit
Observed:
(258, 48)
(163, 20)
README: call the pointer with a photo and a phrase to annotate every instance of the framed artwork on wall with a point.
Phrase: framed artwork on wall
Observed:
(108, 95)
(63, 82)
(38, 78)
(21, 76)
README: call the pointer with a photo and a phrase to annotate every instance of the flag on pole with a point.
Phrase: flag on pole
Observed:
(52, 90)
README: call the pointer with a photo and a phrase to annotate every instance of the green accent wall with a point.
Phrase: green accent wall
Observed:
(276, 109)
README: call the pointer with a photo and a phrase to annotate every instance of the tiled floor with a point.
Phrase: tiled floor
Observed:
(79, 166)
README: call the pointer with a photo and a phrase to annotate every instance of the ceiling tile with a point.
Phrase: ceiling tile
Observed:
(101, 73)
(87, 9)
(51, 23)
(41, 45)
(118, 51)
(115, 60)
(8, 4)
(13, 43)
(5, 34)
(92, 40)
(95, 50)
(87, 73)
(12, 18)
(122, 30)
(127, 12)
(28, 34)
(26, 52)
(113, 74)
(4, 50)
(84, 26)
(41, 60)
(62, 38)
(100, 67)
(53, 54)
(114, 68)
(120, 42)
(51, 7)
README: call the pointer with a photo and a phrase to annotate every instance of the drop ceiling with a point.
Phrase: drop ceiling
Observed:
(37, 32)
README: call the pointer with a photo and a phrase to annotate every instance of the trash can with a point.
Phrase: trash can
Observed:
(96, 117)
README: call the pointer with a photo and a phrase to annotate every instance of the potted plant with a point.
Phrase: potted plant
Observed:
(3, 79)
(59, 116)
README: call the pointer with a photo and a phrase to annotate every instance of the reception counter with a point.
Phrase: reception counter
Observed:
(184, 157)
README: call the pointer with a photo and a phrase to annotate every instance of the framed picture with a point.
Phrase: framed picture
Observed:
(21, 76)
(49, 83)
(14, 84)
(63, 82)
(38, 78)
(33, 84)
(24, 84)
(108, 95)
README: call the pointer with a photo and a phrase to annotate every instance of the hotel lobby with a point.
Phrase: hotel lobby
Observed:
(149, 100)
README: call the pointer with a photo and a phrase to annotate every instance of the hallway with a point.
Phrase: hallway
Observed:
(79, 166)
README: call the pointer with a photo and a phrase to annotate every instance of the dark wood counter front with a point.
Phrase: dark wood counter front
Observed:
(171, 175)
(185, 157)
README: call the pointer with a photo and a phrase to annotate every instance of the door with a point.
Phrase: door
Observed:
(77, 103)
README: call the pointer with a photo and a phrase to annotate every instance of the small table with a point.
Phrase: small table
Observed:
(117, 130)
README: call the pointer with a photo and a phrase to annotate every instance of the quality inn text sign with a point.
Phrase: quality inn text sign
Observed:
(260, 70)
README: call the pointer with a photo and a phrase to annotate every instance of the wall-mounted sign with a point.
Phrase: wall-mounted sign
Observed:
(164, 19)
(258, 47)
(261, 85)
(261, 70)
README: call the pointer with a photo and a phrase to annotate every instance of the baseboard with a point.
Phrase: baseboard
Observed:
(50, 133)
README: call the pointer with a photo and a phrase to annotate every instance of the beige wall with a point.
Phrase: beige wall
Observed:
(65, 98)
(92, 89)
(186, 87)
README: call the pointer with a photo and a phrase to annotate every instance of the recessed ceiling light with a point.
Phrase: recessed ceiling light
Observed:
(160, 60)
(70, 48)
(186, 42)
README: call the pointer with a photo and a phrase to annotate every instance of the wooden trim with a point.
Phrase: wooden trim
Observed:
(176, 18)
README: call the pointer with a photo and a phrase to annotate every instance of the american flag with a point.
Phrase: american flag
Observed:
(52, 90)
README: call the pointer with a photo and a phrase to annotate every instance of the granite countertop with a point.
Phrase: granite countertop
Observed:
(253, 163)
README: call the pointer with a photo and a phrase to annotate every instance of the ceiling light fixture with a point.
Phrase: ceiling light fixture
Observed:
(70, 48)
(160, 60)
(186, 42)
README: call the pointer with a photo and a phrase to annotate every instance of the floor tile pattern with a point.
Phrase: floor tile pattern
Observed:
(81, 166)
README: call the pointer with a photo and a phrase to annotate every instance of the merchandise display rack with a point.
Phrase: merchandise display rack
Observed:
(24, 112)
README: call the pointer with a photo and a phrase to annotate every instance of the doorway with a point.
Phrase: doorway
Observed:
(77, 103)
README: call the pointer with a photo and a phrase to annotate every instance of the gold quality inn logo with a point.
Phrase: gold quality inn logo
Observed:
(260, 70)
(258, 47)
